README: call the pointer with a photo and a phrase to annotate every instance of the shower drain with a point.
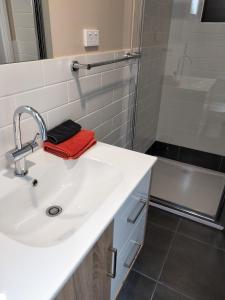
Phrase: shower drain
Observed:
(53, 211)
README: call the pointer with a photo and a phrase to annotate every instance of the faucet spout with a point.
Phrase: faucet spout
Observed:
(16, 124)
(18, 154)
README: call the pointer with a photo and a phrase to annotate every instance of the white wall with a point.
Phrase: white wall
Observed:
(100, 99)
(192, 112)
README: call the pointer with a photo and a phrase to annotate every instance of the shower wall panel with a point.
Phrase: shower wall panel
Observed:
(192, 112)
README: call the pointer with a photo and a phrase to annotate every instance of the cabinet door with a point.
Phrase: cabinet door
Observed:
(91, 281)
(67, 292)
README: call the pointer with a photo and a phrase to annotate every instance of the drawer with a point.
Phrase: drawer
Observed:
(127, 218)
(127, 256)
(130, 213)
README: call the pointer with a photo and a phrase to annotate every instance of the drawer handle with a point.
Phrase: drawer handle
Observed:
(136, 211)
(133, 255)
(114, 252)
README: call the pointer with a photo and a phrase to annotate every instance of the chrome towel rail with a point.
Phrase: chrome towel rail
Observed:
(76, 66)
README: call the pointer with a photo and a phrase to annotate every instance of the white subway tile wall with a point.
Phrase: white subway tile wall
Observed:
(101, 100)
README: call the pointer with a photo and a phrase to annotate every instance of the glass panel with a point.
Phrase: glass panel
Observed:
(156, 24)
(181, 97)
(193, 96)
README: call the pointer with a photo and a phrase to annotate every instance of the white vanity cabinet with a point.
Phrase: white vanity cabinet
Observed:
(129, 232)
(104, 270)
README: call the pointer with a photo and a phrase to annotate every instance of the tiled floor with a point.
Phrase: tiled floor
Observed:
(180, 260)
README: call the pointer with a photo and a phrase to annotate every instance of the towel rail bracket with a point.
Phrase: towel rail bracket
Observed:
(76, 66)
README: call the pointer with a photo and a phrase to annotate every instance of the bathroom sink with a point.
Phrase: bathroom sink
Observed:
(73, 189)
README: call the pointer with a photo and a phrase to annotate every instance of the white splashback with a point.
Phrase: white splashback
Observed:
(101, 99)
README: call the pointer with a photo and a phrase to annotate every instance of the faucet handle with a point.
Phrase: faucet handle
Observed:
(28, 148)
(36, 138)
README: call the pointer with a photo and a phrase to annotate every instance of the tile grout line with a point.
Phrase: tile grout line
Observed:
(144, 275)
(174, 290)
(161, 226)
(185, 235)
(165, 259)
(170, 246)
(202, 242)
(158, 280)
(163, 284)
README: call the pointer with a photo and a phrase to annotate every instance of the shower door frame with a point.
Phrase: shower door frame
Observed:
(139, 49)
(218, 219)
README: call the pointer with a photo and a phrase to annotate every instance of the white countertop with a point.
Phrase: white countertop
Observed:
(38, 273)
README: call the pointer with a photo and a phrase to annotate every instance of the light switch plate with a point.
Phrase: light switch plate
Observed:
(91, 37)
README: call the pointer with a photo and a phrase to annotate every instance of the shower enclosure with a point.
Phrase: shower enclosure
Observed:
(180, 111)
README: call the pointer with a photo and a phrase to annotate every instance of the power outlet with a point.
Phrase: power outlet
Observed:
(91, 37)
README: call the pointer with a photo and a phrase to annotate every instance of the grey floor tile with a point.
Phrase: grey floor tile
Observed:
(203, 233)
(164, 293)
(137, 287)
(162, 218)
(195, 269)
(156, 246)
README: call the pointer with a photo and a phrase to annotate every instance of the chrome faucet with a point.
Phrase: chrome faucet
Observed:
(18, 154)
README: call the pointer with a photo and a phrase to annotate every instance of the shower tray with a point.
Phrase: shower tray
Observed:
(190, 189)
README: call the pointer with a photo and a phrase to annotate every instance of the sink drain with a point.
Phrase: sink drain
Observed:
(53, 211)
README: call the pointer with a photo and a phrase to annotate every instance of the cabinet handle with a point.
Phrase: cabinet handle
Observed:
(114, 252)
(136, 211)
(133, 255)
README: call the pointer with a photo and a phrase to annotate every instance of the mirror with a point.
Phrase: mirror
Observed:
(22, 34)
(39, 29)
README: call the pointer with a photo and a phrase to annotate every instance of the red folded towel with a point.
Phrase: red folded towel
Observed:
(73, 147)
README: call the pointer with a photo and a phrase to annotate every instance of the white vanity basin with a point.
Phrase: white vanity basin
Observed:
(78, 187)
(36, 248)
